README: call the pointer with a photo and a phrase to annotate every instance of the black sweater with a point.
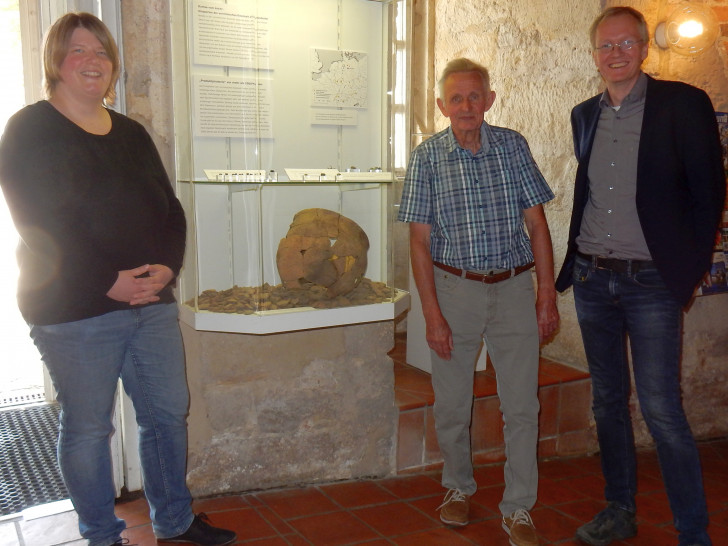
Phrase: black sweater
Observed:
(86, 207)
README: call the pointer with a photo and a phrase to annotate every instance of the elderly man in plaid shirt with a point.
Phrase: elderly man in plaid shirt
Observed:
(470, 194)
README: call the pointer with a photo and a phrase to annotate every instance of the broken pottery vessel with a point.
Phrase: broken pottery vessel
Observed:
(325, 248)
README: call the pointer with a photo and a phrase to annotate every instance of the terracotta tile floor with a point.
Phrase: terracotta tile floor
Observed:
(402, 510)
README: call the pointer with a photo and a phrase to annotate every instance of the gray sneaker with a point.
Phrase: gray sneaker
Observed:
(612, 523)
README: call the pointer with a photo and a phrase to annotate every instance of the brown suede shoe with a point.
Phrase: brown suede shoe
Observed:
(455, 508)
(519, 527)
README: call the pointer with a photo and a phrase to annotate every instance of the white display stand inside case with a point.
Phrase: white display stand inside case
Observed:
(268, 93)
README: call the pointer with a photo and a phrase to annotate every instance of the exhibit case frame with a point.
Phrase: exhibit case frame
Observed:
(284, 106)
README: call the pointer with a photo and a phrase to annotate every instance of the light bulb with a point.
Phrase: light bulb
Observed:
(688, 30)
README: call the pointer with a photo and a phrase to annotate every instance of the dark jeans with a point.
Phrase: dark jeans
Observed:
(611, 306)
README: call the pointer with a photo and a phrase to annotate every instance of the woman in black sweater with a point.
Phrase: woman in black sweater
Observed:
(102, 238)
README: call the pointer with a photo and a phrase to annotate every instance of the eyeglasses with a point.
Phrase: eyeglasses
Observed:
(622, 46)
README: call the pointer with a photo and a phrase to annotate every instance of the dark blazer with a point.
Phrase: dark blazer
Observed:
(680, 182)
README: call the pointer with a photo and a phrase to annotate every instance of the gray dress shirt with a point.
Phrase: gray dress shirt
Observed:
(610, 226)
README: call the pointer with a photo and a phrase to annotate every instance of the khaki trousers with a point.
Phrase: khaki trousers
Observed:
(504, 316)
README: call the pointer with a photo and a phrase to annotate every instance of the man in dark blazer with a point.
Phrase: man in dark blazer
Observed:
(648, 196)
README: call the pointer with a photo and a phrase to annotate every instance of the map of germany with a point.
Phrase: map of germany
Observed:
(338, 78)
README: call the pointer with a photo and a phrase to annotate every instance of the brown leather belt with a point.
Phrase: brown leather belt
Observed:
(618, 266)
(487, 279)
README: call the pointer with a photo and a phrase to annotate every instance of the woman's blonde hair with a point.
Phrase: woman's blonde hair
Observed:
(55, 49)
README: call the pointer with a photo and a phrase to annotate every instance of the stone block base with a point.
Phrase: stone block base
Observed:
(297, 407)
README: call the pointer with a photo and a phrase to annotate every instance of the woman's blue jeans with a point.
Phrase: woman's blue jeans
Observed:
(611, 307)
(85, 360)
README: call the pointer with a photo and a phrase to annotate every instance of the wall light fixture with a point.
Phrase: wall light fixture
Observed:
(689, 30)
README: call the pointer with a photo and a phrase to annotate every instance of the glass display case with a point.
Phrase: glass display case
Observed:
(283, 117)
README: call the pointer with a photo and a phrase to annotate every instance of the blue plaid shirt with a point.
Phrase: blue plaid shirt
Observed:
(474, 202)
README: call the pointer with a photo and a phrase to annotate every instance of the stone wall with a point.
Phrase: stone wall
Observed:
(538, 56)
(541, 66)
(148, 72)
(282, 409)
(705, 347)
